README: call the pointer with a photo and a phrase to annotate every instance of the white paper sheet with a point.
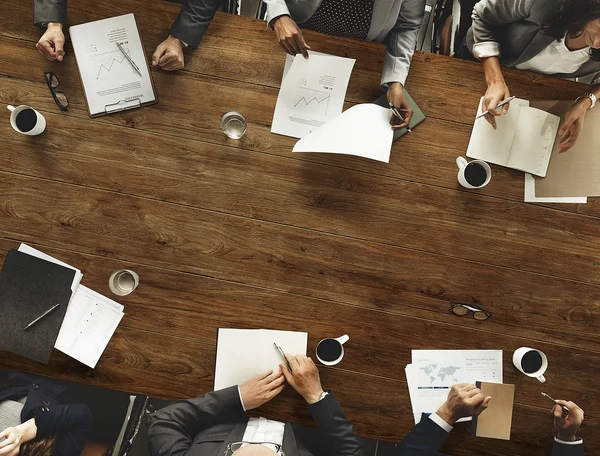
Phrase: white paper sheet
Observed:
(89, 324)
(531, 198)
(433, 372)
(363, 130)
(107, 76)
(311, 94)
(246, 353)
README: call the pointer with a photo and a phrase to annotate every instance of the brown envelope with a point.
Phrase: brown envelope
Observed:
(496, 420)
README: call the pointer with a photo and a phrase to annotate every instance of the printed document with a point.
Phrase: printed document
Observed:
(433, 372)
(246, 353)
(311, 94)
(110, 82)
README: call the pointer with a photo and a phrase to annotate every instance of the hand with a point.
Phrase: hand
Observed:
(573, 124)
(261, 389)
(496, 92)
(10, 441)
(51, 44)
(290, 37)
(395, 96)
(304, 377)
(567, 426)
(463, 400)
(169, 54)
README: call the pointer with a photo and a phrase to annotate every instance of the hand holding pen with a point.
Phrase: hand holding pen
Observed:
(401, 111)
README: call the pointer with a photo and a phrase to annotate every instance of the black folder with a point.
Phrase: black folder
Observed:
(29, 286)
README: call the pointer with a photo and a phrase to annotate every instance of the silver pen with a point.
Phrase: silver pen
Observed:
(135, 67)
(499, 105)
(399, 116)
(284, 357)
(565, 409)
(42, 316)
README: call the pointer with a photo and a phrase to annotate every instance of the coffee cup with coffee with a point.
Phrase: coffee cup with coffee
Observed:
(331, 351)
(531, 362)
(26, 120)
(474, 174)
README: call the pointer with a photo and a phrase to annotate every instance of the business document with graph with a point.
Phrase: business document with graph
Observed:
(109, 73)
(312, 93)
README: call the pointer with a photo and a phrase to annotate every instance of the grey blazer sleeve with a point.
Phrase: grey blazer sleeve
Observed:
(564, 449)
(334, 427)
(49, 11)
(489, 16)
(401, 42)
(193, 20)
(172, 429)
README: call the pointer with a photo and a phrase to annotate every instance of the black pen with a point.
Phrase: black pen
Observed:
(42, 316)
(399, 116)
(284, 357)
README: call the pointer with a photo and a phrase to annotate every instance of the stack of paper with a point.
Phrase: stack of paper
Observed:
(90, 321)
(433, 372)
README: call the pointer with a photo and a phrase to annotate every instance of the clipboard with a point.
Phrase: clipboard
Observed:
(125, 103)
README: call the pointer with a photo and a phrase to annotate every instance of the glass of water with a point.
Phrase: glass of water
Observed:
(233, 124)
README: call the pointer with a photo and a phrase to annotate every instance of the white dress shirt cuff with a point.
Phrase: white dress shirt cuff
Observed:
(440, 422)
(486, 49)
(276, 8)
(241, 400)
(564, 442)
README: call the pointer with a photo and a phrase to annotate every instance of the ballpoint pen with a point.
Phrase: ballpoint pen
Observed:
(565, 409)
(135, 67)
(499, 105)
(284, 357)
(42, 316)
(398, 115)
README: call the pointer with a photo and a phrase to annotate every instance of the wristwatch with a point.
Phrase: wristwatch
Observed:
(589, 95)
(322, 396)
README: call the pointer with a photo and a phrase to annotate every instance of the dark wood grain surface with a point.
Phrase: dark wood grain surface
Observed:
(244, 234)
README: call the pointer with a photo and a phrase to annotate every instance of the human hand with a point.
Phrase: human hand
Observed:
(304, 377)
(261, 389)
(567, 426)
(573, 124)
(395, 96)
(290, 37)
(51, 44)
(496, 92)
(169, 54)
(463, 400)
(10, 441)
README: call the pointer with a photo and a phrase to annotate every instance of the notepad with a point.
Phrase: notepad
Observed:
(523, 140)
(495, 422)
(245, 353)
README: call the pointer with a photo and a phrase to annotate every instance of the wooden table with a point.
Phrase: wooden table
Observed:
(227, 233)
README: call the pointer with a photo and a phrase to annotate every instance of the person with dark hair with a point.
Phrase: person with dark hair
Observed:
(33, 422)
(393, 22)
(555, 37)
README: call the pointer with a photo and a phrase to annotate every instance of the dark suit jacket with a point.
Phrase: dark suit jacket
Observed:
(71, 422)
(193, 20)
(204, 426)
(427, 437)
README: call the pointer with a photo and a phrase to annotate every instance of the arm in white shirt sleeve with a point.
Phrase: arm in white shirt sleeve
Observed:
(440, 422)
(276, 8)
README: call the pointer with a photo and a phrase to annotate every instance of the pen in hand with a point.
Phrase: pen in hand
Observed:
(499, 105)
(399, 116)
(565, 409)
(283, 355)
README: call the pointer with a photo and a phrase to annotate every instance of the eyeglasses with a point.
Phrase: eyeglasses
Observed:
(233, 447)
(463, 309)
(59, 97)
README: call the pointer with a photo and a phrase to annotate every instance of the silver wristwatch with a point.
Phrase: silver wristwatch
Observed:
(589, 95)
(322, 396)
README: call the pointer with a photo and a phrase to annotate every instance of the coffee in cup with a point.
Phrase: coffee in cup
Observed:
(331, 351)
(531, 362)
(26, 120)
(474, 174)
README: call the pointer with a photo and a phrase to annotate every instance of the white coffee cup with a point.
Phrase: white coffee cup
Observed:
(336, 345)
(39, 127)
(123, 282)
(518, 362)
(462, 163)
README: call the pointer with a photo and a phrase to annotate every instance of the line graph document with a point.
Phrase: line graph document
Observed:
(109, 80)
(311, 94)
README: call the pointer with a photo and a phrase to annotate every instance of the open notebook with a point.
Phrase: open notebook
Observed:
(523, 140)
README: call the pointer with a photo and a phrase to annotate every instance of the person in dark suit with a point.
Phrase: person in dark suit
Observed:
(214, 424)
(38, 423)
(187, 31)
(467, 400)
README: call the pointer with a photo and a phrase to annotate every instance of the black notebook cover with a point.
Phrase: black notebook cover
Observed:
(28, 287)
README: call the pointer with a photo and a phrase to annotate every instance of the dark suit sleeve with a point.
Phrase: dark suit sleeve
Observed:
(49, 11)
(563, 449)
(425, 439)
(173, 428)
(193, 20)
(334, 428)
(70, 422)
